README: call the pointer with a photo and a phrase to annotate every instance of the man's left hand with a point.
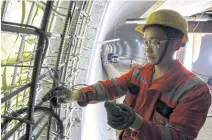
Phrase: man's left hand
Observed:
(120, 116)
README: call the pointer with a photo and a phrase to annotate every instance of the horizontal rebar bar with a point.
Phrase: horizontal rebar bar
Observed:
(15, 92)
(17, 118)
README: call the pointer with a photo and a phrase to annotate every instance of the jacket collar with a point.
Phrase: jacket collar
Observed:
(167, 81)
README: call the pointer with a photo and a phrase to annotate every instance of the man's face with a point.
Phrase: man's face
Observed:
(154, 43)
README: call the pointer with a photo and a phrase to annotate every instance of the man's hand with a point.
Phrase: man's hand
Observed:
(62, 95)
(119, 116)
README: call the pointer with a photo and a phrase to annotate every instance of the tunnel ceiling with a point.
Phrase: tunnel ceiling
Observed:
(122, 10)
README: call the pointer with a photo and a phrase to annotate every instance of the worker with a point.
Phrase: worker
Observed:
(163, 100)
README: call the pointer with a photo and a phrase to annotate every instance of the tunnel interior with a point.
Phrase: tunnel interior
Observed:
(46, 44)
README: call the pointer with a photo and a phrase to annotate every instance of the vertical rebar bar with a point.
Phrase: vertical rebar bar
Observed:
(60, 52)
(22, 44)
(62, 42)
(28, 76)
(82, 32)
(3, 14)
(23, 40)
(75, 48)
(36, 68)
(69, 48)
(4, 9)
(74, 32)
(8, 104)
(21, 48)
(78, 14)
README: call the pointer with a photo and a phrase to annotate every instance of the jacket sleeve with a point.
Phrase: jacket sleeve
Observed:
(184, 123)
(106, 90)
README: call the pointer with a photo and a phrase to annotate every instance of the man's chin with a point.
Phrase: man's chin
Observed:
(151, 62)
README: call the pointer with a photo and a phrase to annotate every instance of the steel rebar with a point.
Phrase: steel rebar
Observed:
(4, 9)
(17, 118)
(43, 4)
(17, 91)
(41, 130)
(12, 131)
(36, 68)
(62, 42)
(69, 49)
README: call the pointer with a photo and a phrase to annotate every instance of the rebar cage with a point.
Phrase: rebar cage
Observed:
(37, 36)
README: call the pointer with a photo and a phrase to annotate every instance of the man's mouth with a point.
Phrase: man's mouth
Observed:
(150, 57)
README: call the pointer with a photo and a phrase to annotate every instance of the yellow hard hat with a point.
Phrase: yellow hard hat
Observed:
(168, 18)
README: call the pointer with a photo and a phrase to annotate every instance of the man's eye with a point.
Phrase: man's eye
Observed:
(146, 43)
(156, 42)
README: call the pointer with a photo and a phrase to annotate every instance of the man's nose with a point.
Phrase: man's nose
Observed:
(148, 50)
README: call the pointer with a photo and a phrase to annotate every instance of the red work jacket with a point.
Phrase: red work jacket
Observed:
(179, 90)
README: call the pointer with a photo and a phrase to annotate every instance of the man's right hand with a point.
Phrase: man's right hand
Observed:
(64, 95)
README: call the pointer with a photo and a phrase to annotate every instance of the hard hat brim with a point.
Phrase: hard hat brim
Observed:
(140, 29)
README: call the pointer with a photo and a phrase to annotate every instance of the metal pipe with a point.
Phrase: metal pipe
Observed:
(209, 115)
(4, 9)
(202, 18)
(36, 69)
